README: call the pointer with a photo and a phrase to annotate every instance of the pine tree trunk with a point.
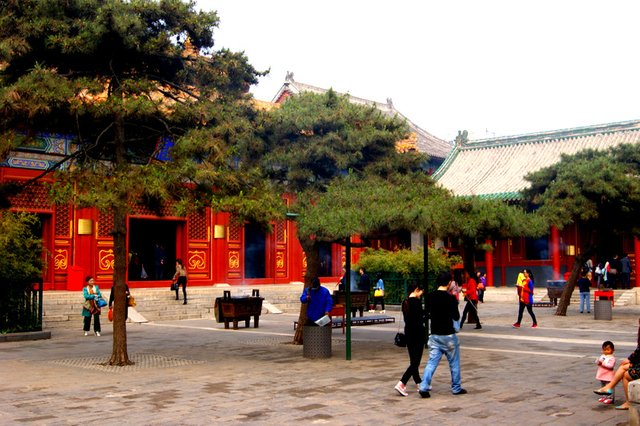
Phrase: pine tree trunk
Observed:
(119, 354)
(563, 304)
(312, 253)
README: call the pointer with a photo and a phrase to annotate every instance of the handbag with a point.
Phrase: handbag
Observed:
(110, 314)
(174, 286)
(101, 303)
(400, 340)
(131, 301)
(378, 293)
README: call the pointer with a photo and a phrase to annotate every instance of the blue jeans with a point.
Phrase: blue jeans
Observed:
(443, 345)
(585, 297)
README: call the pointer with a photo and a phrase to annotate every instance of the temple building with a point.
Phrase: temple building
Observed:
(495, 168)
(215, 250)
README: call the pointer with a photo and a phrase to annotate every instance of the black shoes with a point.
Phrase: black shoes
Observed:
(425, 394)
(478, 327)
(460, 392)
(185, 302)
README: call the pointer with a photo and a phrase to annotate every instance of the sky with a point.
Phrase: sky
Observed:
(491, 67)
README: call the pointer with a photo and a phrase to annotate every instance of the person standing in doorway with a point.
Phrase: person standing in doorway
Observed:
(90, 308)
(159, 260)
(180, 278)
(526, 299)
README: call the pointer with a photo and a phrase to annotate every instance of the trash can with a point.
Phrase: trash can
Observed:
(316, 342)
(602, 310)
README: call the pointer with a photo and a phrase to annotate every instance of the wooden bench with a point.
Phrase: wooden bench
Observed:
(341, 322)
(368, 320)
(337, 313)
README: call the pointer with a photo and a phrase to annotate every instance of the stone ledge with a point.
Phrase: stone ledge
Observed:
(28, 335)
(634, 399)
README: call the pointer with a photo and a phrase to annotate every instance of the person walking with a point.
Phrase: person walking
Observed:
(90, 308)
(378, 294)
(442, 310)
(584, 285)
(415, 333)
(482, 285)
(471, 297)
(180, 278)
(526, 298)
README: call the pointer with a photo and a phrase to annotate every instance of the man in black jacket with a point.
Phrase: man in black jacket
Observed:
(442, 310)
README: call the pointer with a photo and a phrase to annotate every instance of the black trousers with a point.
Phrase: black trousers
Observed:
(415, 349)
(471, 309)
(182, 281)
(96, 323)
(529, 309)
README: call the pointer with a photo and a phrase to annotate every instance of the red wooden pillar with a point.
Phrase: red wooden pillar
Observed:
(555, 252)
(634, 270)
(488, 261)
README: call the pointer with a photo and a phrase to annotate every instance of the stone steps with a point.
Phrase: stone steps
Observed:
(64, 308)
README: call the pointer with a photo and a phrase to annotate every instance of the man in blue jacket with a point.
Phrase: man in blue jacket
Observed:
(318, 300)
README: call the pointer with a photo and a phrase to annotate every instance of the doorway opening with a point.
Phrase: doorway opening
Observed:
(152, 249)
(255, 248)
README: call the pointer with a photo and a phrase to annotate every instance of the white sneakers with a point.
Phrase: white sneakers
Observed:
(401, 388)
(86, 333)
(383, 311)
(98, 333)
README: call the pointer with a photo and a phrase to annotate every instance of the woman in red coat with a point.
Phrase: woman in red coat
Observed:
(471, 296)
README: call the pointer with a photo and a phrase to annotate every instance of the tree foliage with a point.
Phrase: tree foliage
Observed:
(406, 262)
(600, 191)
(21, 248)
(470, 221)
(315, 143)
(127, 80)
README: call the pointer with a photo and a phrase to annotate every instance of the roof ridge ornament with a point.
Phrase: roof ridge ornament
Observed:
(289, 77)
(462, 138)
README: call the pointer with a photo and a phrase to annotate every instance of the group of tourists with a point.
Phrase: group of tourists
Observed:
(612, 273)
(441, 309)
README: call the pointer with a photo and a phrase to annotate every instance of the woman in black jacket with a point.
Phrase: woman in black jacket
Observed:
(414, 331)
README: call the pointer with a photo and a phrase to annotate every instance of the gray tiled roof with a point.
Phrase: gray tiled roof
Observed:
(495, 168)
(426, 142)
